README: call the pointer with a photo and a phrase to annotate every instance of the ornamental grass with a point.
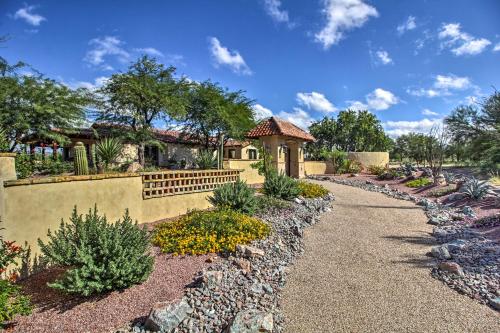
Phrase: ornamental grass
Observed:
(201, 232)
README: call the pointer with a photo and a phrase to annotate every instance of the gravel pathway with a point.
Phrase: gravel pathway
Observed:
(365, 269)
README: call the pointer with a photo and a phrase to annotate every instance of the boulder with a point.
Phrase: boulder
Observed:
(212, 278)
(251, 321)
(250, 251)
(451, 267)
(243, 264)
(440, 180)
(134, 167)
(440, 252)
(455, 245)
(495, 303)
(455, 196)
(166, 316)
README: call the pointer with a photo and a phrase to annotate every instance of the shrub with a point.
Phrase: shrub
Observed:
(407, 168)
(100, 256)
(281, 186)
(390, 174)
(265, 202)
(24, 165)
(108, 150)
(237, 196)
(475, 189)
(352, 166)
(310, 190)
(338, 160)
(206, 160)
(376, 170)
(202, 232)
(9, 254)
(4, 142)
(439, 192)
(419, 182)
(12, 301)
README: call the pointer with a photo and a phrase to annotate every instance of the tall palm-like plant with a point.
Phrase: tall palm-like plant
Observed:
(108, 150)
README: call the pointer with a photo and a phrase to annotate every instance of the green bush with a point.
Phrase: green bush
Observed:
(310, 190)
(237, 196)
(206, 160)
(265, 203)
(419, 182)
(338, 158)
(12, 302)
(201, 232)
(281, 186)
(376, 170)
(351, 166)
(100, 256)
(108, 150)
(390, 174)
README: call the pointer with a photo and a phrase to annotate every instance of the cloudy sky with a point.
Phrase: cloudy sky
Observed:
(409, 62)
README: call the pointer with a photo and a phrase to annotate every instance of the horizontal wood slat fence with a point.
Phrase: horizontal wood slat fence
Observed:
(166, 183)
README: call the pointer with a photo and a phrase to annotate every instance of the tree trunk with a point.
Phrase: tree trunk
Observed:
(140, 153)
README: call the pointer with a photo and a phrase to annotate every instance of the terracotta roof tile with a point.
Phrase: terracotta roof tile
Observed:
(277, 126)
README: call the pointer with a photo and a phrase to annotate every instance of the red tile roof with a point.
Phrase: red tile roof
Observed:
(277, 126)
(236, 143)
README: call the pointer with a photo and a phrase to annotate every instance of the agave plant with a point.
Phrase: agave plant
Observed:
(108, 150)
(450, 178)
(206, 160)
(236, 196)
(476, 189)
(407, 168)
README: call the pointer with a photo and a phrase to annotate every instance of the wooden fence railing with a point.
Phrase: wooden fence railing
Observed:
(166, 183)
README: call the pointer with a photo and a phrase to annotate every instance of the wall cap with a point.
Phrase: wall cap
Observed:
(8, 154)
(64, 179)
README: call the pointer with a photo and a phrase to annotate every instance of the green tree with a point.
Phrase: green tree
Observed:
(31, 106)
(146, 94)
(215, 114)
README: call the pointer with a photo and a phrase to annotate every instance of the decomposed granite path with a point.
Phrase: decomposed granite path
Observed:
(365, 269)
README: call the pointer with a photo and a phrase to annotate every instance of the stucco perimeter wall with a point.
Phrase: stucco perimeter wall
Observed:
(370, 158)
(31, 209)
(318, 167)
(248, 174)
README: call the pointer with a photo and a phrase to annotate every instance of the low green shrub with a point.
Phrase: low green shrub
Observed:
(100, 256)
(439, 192)
(419, 182)
(390, 174)
(201, 232)
(281, 186)
(237, 196)
(376, 170)
(265, 202)
(351, 166)
(310, 190)
(12, 302)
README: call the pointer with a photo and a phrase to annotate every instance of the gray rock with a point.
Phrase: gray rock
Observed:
(495, 303)
(165, 317)
(250, 251)
(456, 245)
(455, 196)
(468, 211)
(251, 321)
(451, 267)
(212, 278)
(440, 252)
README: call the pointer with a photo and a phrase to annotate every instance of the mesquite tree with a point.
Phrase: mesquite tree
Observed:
(147, 93)
(435, 150)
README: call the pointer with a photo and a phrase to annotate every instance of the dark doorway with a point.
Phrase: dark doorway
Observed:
(287, 161)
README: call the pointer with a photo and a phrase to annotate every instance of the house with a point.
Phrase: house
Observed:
(285, 142)
(241, 150)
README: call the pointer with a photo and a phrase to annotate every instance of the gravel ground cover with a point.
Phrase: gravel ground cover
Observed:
(242, 289)
(468, 255)
(365, 269)
(56, 312)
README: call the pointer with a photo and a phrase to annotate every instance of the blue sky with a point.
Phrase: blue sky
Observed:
(409, 62)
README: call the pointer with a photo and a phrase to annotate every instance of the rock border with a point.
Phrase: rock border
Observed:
(241, 291)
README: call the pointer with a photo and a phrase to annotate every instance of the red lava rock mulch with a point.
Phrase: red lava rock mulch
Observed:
(57, 312)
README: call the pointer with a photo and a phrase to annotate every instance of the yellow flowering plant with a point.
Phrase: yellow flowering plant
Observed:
(310, 190)
(201, 232)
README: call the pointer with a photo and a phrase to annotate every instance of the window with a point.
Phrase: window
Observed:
(232, 153)
(252, 154)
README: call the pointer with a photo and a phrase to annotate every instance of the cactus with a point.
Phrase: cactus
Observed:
(81, 164)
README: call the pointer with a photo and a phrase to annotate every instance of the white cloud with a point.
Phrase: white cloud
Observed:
(398, 128)
(461, 43)
(497, 47)
(261, 112)
(444, 85)
(107, 46)
(357, 106)
(298, 117)
(410, 24)
(150, 51)
(315, 101)
(427, 112)
(98, 82)
(26, 13)
(273, 9)
(381, 99)
(383, 57)
(342, 16)
(232, 59)
(452, 82)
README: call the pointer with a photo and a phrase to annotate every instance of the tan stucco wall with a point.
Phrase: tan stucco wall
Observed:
(370, 158)
(31, 209)
(248, 174)
(273, 143)
(318, 167)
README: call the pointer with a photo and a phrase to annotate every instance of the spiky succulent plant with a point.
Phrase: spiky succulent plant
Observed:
(450, 177)
(476, 189)
(237, 196)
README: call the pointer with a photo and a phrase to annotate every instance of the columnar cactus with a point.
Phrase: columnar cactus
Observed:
(81, 164)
